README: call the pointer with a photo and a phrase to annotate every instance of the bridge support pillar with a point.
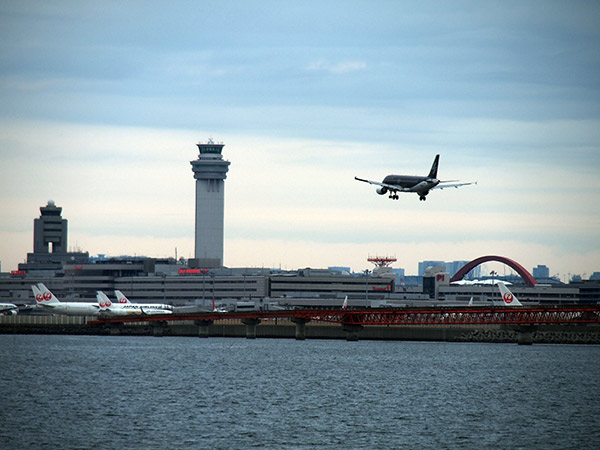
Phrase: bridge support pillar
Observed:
(300, 327)
(203, 327)
(525, 335)
(114, 329)
(158, 329)
(250, 327)
(351, 331)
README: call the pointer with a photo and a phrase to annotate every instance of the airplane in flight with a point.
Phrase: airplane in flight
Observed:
(8, 308)
(421, 185)
(143, 308)
(47, 301)
(508, 298)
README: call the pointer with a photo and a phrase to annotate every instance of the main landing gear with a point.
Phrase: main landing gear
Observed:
(422, 198)
(394, 196)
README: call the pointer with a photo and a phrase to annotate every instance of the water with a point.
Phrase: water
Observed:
(108, 392)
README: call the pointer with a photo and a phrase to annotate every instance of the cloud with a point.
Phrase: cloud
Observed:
(337, 68)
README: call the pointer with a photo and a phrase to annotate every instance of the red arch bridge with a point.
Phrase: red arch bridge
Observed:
(541, 315)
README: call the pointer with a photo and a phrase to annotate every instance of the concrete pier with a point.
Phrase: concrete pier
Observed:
(115, 329)
(158, 329)
(251, 327)
(203, 327)
(352, 331)
(525, 334)
(300, 328)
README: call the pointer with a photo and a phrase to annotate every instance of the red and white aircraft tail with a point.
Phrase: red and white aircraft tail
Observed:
(121, 298)
(508, 297)
(345, 304)
(44, 296)
(103, 301)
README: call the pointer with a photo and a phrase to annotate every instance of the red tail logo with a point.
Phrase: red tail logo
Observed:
(508, 297)
(47, 296)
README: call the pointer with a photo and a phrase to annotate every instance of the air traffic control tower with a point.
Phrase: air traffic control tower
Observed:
(210, 172)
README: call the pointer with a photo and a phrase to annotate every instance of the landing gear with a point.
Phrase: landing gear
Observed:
(422, 198)
(394, 196)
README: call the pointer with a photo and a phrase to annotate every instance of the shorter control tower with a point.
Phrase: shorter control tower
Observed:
(210, 172)
(50, 229)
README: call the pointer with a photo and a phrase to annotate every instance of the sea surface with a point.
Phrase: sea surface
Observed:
(116, 392)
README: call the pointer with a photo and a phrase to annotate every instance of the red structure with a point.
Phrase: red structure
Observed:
(382, 261)
(397, 316)
(527, 277)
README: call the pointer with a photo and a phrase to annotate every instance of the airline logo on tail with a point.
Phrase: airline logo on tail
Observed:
(103, 301)
(43, 295)
(122, 299)
(508, 297)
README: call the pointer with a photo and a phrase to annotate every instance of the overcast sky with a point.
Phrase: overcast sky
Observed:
(101, 106)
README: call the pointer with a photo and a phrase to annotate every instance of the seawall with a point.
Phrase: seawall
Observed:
(567, 334)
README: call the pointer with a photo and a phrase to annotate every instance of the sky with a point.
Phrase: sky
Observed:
(101, 107)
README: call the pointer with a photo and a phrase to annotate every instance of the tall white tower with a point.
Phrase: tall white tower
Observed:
(210, 172)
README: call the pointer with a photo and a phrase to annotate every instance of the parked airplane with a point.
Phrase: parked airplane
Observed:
(410, 183)
(108, 308)
(219, 309)
(143, 308)
(47, 301)
(508, 297)
(8, 308)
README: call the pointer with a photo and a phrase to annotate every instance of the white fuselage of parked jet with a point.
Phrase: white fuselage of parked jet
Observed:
(8, 308)
(46, 301)
(125, 308)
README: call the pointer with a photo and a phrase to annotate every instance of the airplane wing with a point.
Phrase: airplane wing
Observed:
(389, 187)
(455, 185)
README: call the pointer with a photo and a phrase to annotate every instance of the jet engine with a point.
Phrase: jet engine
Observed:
(381, 190)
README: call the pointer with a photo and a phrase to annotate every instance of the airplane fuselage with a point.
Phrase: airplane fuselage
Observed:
(421, 185)
(71, 308)
(410, 183)
(8, 308)
(137, 309)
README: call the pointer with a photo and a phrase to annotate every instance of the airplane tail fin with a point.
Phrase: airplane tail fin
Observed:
(103, 301)
(345, 304)
(121, 298)
(47, 297)
(37, 294)
(508, 297)
(434, 167)
(471, 301)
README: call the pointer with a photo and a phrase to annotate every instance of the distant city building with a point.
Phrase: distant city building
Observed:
(540, 272)
(399, 274)
(210, 172)
(451, 267)
(423, 265)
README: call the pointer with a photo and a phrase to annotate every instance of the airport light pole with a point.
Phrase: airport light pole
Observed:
(493, 273)
(367, 272)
